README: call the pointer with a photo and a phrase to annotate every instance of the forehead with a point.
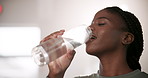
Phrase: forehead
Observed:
(108, 15)
(113, 18)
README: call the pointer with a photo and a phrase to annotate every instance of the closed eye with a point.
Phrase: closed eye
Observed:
(100, 24)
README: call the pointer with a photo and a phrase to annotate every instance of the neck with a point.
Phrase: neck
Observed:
(114, 64)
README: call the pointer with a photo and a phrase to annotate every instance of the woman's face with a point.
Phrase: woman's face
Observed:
(107, 29)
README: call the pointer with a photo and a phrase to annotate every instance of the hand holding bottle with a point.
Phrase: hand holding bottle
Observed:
(58, 67)
(59, 43)
(57, 49)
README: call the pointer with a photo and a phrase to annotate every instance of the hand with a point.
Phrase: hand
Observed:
(53, 35)
(58, 67)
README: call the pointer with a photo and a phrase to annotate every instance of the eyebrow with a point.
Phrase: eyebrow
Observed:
(103, 18)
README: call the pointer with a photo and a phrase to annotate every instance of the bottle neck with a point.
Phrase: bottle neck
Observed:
(71, 44)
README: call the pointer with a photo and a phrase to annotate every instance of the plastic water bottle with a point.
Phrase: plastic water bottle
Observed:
(52, 49)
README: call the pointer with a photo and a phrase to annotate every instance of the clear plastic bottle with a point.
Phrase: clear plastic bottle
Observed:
(53, 48)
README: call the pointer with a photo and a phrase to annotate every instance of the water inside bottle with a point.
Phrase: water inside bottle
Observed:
(39, 55)
(52, 49)
(78, 35)
(71, 43)
(43, 55)
(49, 51)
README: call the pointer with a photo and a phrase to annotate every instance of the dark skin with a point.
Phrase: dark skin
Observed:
(109, 44)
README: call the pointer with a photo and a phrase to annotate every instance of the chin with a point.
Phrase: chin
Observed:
(91, 51)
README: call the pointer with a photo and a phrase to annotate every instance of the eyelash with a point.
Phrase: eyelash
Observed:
(100, 24)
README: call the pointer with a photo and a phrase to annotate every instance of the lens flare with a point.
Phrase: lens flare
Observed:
(1, 8)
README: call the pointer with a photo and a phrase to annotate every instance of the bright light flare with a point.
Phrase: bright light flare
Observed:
(17, 41)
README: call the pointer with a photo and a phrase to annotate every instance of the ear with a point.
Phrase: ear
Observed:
(127, 38)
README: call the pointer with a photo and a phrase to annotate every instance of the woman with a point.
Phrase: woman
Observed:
(117, 41)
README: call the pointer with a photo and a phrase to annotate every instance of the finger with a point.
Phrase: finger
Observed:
(58, 34)
(62, 63)
(70, 54)
(53, 35)
(54, 68)
(65, 60)
(61, 32)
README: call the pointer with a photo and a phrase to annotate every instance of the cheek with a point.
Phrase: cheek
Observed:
(109, 42)
(110, 38)
(105, 42)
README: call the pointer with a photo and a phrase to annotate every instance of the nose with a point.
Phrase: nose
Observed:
(91, 27)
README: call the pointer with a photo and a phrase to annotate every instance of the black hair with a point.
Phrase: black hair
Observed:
(133, 25)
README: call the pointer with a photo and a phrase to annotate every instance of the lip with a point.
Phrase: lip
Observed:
(92, 38)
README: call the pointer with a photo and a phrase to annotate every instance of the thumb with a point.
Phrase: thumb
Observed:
(66, 59)
(70, 54)
(59, 66)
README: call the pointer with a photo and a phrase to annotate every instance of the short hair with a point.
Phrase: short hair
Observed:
(133, 25)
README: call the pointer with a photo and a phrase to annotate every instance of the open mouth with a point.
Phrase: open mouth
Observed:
(93, 37)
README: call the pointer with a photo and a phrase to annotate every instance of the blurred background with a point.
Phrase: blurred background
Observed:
(23, 23)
